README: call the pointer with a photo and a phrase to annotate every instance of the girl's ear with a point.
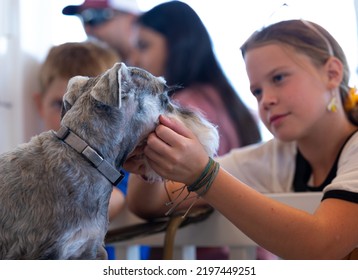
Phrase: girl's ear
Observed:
(334, 71)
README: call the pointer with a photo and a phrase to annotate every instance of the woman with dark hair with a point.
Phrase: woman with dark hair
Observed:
(171, 41)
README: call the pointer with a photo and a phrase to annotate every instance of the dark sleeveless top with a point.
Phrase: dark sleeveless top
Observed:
(303, 173)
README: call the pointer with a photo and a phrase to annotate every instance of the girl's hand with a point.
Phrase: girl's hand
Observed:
(174, 152)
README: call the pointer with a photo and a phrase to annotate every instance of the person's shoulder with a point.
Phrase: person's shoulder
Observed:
(347, 178)
(203, 97)
(206, 93)
(351, 147)
(272, 146)
(354, 138)
(262, 152)
(261, 165)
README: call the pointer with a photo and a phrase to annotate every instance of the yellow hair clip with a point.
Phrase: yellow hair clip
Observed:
(352, 99)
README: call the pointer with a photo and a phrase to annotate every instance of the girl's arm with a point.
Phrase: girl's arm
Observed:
(149, 200)
(330, 233)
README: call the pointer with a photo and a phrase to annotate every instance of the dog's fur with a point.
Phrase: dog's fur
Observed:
(53, 202)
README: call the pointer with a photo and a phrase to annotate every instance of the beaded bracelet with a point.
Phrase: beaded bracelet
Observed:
(200, 186)
(206, 178)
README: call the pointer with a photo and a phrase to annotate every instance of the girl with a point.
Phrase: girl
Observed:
(299, 75)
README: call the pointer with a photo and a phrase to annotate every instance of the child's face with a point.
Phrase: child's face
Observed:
(291, 92)
(51, 104)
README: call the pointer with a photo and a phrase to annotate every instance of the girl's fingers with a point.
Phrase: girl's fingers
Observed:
(175, 126)
(173, 151)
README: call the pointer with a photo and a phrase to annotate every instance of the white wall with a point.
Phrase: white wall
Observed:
(10, 76)
(42, 25)
(27, 30)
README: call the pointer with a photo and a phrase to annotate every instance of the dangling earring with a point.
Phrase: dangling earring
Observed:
(332, 105)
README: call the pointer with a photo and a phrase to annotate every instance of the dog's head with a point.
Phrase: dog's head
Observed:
(116, 111)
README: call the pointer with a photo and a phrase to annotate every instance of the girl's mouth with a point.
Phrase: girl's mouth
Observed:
(277, 119)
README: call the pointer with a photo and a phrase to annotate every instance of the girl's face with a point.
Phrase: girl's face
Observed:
(291, 92)
(150, 51)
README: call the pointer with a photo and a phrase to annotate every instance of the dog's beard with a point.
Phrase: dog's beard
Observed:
(206, 133)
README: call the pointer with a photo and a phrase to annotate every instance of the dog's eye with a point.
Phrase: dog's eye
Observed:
(164, 99)
(172, 89)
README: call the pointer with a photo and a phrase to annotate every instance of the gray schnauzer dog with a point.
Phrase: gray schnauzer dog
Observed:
(55, 189)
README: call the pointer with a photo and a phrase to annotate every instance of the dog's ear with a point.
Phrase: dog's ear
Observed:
(108, 86)
(73, 92)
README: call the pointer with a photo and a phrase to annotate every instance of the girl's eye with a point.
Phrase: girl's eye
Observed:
(257, 93)
(142, 45)
(278, 78)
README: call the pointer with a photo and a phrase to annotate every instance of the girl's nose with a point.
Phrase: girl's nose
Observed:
(268, 98)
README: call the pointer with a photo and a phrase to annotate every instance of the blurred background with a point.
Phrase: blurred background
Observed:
(29, 28)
